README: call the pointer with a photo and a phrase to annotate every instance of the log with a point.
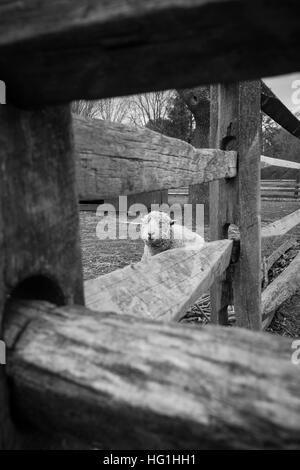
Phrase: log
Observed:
(163, 287)
(268, 262)
(57, 52)
(290, 182)
(281, 289)
(281, 226)
(286, 245)
(236, 125)
(40, 254)
(268, 161)
(140, 160)
(119, 382)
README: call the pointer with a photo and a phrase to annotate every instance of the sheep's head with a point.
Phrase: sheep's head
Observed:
(156, 230)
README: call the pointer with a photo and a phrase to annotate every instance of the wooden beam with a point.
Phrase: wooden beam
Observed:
(163, 287)
(285, 246)
(236, 125)
(71, 49)
(119, 382)
(268, 161)
(281, 289)
(40, 254)
(268, 262)
(281, 226)
(140, 160)
(273, 107)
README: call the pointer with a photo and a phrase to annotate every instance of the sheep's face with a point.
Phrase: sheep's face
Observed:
(156, 230)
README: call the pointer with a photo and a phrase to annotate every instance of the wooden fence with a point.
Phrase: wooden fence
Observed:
(280, 189)
(269, 189)
(112, 377)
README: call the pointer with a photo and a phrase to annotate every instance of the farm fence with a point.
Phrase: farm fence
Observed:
(108, 375)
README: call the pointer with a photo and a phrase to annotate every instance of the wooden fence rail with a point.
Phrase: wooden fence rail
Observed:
(119, 382)
(268, 161)
(281, 226)
(140, 160)
(281, 289)
(156, 50)
(163, 288)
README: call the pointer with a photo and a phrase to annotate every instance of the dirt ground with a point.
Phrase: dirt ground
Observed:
(103, 256)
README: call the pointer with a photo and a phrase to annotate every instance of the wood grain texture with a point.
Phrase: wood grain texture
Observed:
(39, 236)
(286, 245)
(115, 159)
(120, 382)
(282, 288)
(236, 124)
(163, 287)
(268, 161)
(267, 262)
(281, 226)
(53, 52)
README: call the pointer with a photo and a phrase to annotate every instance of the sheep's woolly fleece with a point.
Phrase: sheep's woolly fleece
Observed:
(160, 233)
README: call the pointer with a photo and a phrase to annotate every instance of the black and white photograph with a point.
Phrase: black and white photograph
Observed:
(149, 228)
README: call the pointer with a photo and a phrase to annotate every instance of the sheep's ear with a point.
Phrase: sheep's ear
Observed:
(172, 222)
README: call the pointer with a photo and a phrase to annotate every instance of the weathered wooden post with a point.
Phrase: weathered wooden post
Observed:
(236, 125)
(39, 238)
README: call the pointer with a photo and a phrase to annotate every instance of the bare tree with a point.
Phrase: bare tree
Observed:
(149, 107)
(109, 109)
(85, 108)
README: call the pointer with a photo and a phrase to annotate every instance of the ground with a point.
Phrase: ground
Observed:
(103, 256)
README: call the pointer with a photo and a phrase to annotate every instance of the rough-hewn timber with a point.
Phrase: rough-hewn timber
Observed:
(163, 287)
(52, 52)
(124, 383)
(115, 159)
(268, 161)
(281, 226)
(282, 288)
(236, 125)
(39, 238)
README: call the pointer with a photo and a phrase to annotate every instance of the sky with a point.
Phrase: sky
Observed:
(282, 86)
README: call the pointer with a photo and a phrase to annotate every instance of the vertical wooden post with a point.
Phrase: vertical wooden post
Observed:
(40, 253)
(236, 125)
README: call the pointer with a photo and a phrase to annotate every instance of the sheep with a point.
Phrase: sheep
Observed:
(160, 233)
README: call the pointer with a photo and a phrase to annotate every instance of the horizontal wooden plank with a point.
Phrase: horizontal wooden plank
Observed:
(163, 287)
(268, 161)
(278, 182)
(289, 191)
(119, 382)
(279, 290)
(276, 197)
(282, 187)
(268, 262)
(281, 226)
(273, 107)
(52, 52)
(115, 159)
(283, 248)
